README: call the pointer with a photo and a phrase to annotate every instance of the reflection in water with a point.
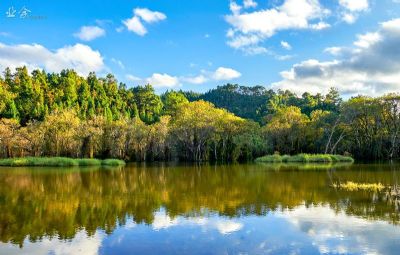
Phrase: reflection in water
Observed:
(197, 209)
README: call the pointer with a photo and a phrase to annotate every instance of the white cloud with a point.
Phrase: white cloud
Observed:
(149, 16)
(163, 80)
(349, 18)
(89, 33)
(333, 50)
(131, 77)
(283, 57)
(118, 63)
(140, 15)
(370, 67)
(251, 28)
(255, 50)
(368, 39)
(80, 57)
(249, 4)
(234, 7)
(226, 74)
(135, 25)
(200, 79)
(320, 26)
(352, 8)
(354, 5)
(286, 45)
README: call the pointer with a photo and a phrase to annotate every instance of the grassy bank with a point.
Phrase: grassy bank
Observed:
(304, 158)
(59, 161)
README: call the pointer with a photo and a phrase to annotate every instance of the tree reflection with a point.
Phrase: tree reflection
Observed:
(47, 202)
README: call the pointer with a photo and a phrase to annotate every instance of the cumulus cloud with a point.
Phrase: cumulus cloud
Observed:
(149, 16)
(163, 80)
(320, 26)
(80, 57)
(352, 8)
(354, 5)
(249, 4)
(369, 67)
(200, 79)
(89, 33)
(135, 25)
(225, 74)
(248, 29)
(140, 15)
(286, 45)
(334, 50)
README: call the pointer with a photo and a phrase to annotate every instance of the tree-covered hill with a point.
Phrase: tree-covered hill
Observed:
(258, 102)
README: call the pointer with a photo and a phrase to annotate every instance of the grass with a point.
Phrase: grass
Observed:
(304, 158)
(59, 161)
(353, 186)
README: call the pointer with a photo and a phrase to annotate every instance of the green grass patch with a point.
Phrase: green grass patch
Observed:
(304, 158)
(59, 161)
(113, 162)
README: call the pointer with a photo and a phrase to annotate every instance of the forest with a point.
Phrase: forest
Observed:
(65, 114)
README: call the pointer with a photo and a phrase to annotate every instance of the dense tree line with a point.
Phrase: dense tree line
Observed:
(68, 115)
(64, 114)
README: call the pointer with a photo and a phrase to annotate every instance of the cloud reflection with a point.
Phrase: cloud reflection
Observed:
(80, 244)
(338, 233)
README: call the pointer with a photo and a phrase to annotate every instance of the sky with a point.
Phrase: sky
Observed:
(301, 45)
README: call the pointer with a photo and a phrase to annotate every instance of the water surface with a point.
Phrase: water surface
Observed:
(198, 209)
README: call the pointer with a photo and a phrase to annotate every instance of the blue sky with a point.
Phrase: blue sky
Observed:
(197, 45)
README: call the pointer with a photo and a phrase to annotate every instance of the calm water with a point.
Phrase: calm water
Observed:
(161, 209)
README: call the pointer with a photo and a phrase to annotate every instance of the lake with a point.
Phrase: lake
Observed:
(199, 209)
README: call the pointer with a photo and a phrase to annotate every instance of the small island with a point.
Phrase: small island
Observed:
(305, 158)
